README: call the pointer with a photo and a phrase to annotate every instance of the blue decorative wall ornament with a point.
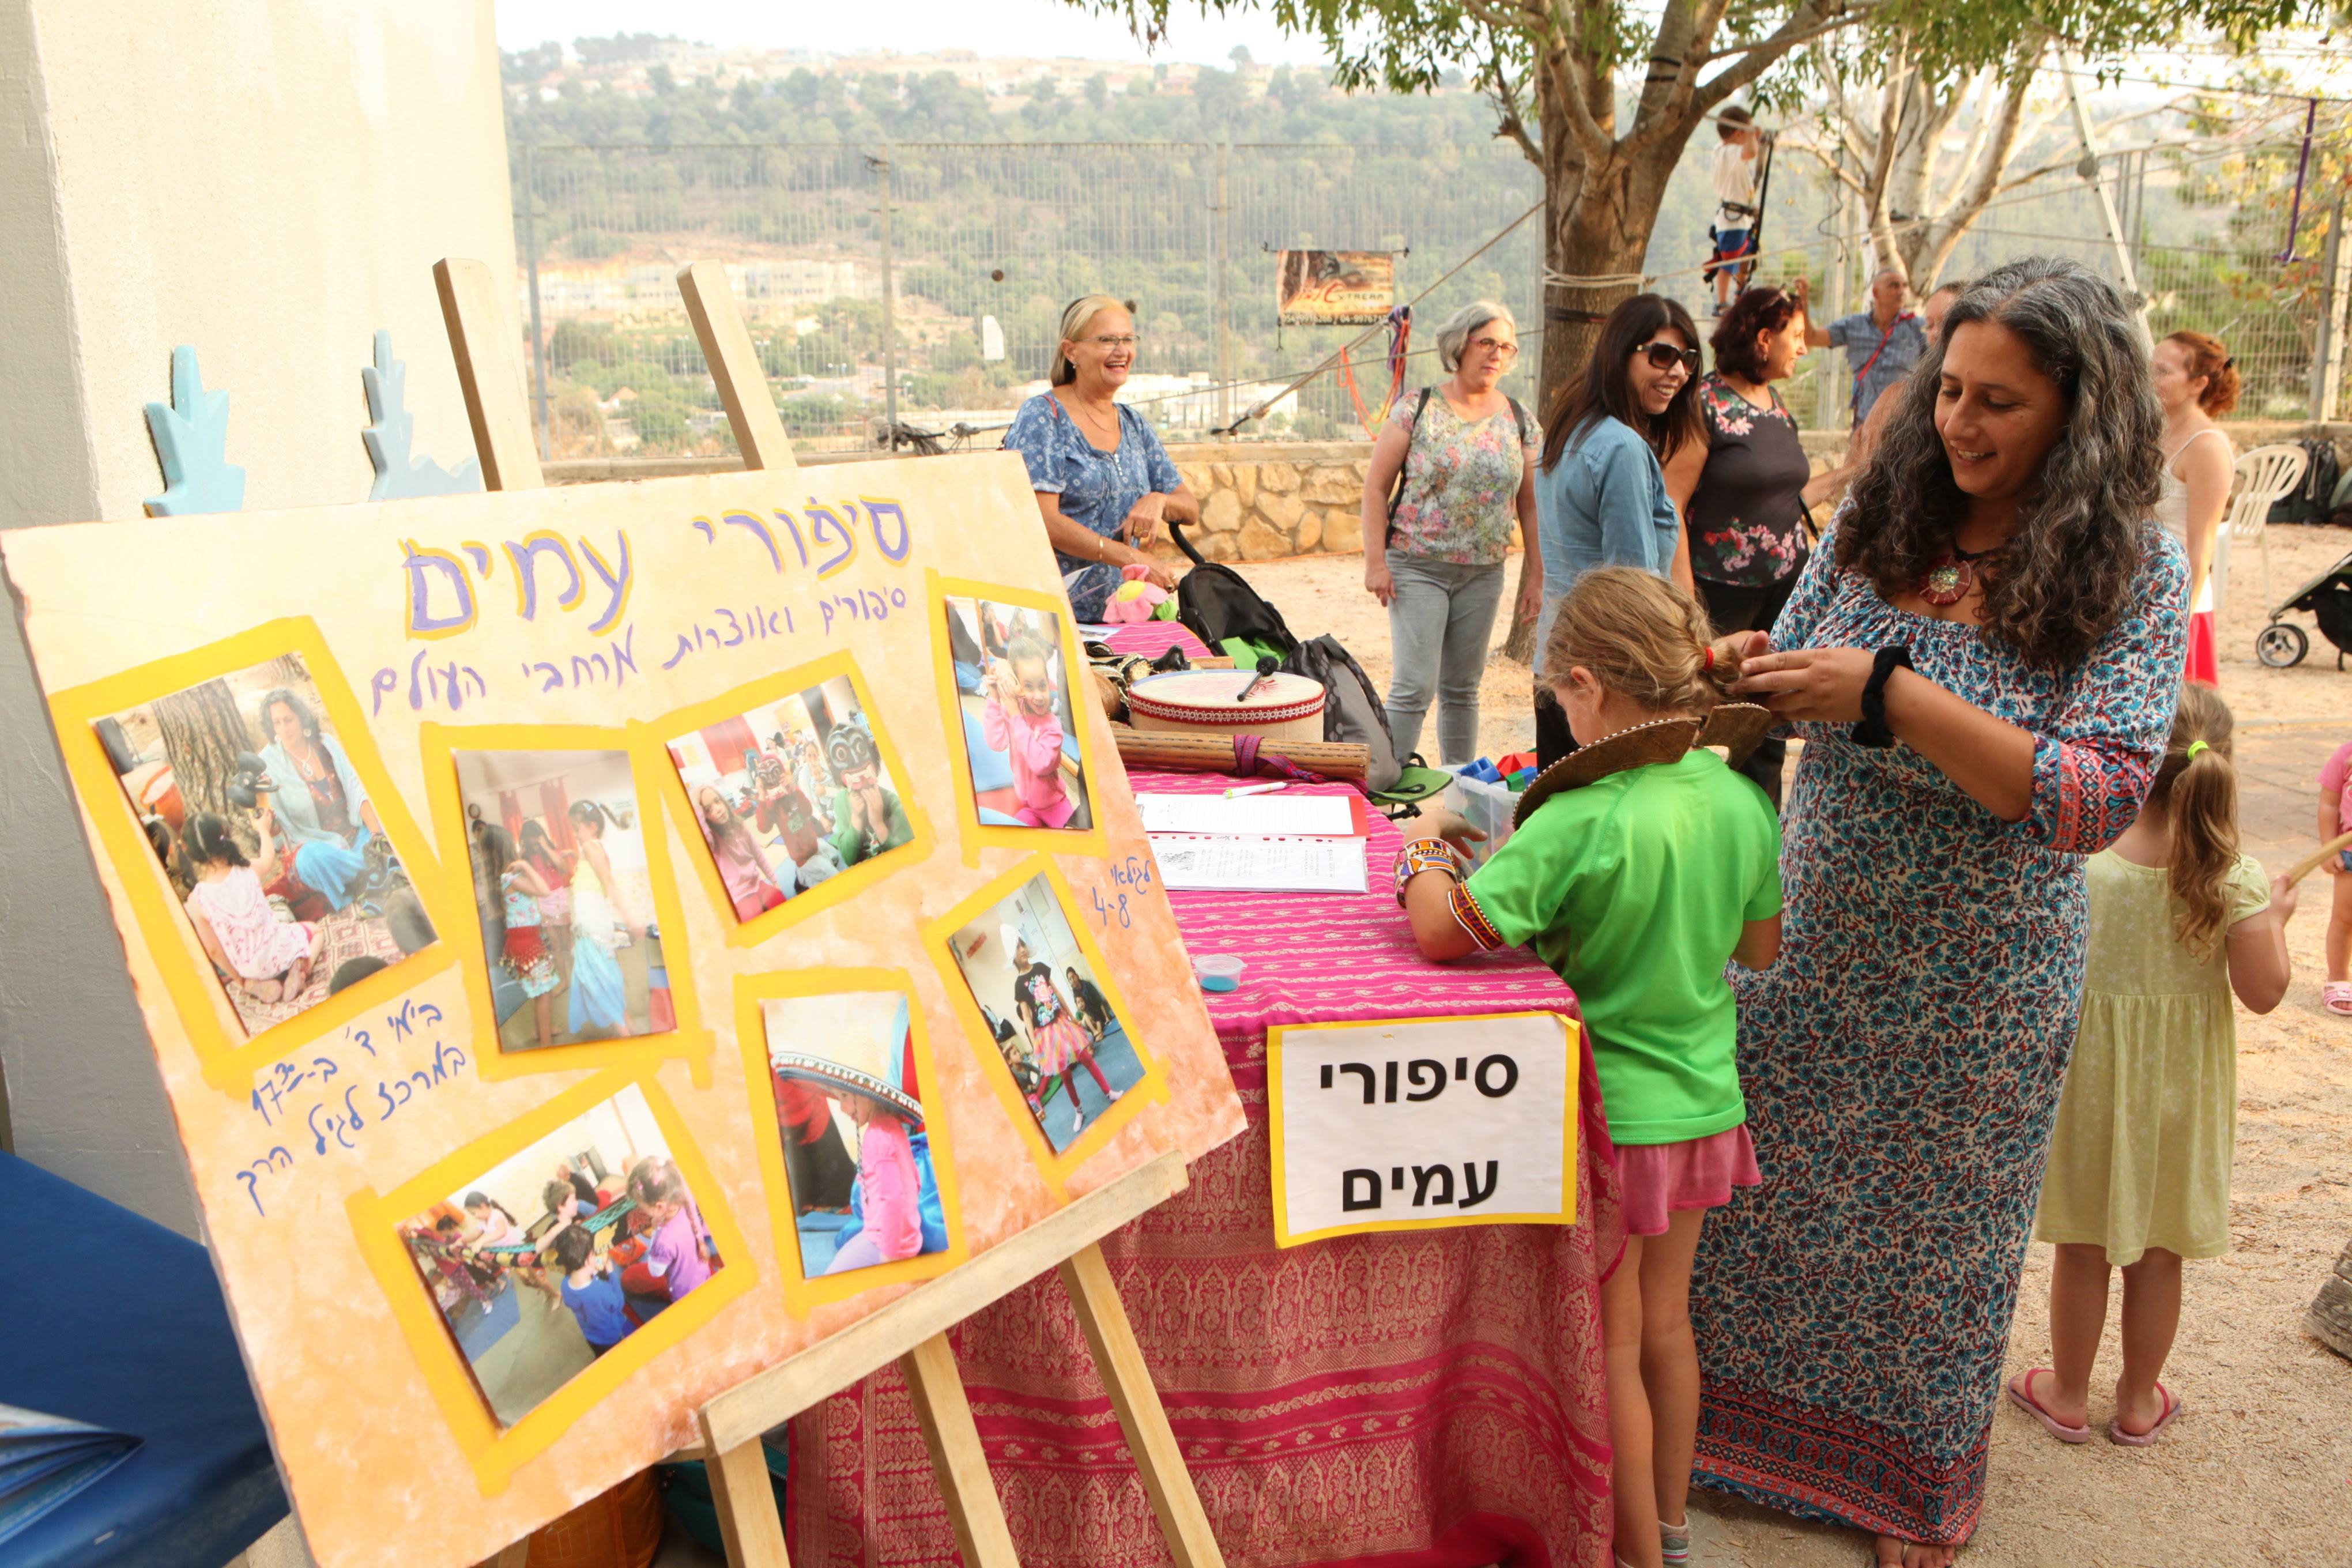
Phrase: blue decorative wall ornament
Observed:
(399, 476)
(192, 443)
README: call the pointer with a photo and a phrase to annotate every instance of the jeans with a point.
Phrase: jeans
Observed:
(1744, 607)
(1440, 621)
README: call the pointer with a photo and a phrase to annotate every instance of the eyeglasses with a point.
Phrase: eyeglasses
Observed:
(1665, 356)
(1128, 341)
(1496, 347)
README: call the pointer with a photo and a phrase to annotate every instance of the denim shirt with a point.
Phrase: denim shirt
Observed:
(1604, 503)
(1097, 488)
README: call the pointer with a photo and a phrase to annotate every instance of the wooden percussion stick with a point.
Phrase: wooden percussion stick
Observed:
(2310, 863)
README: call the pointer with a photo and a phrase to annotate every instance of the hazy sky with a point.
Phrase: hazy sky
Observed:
(987, 27)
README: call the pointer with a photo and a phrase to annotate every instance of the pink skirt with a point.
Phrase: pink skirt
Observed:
(1697, 1174)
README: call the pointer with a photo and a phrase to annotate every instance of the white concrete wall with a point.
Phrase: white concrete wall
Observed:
(270, 181)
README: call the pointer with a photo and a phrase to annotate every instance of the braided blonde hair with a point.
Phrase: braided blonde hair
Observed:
(1641, 638)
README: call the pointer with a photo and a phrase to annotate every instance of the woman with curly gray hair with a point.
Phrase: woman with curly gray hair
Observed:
(1451, 476)
(1983, 662)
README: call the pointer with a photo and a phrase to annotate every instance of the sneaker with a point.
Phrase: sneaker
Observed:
(1674, 1542)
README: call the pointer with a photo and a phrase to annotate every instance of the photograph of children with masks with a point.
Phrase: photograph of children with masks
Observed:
(858, 1156)
(1019, 733)
(791, 795)
(1066, 1047)
(548, 1259)
(272, 847)
(564, 896)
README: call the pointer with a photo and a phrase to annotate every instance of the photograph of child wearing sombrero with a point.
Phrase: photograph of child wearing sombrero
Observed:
(791, 795)
(857, 1153)
(1068, 1050)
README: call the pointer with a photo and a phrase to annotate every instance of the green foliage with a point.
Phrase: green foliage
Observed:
(621, 48)
(661, 423)
(520, 66)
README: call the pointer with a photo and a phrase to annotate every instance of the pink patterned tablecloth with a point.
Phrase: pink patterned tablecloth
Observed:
(1404, 1400)
(1151, 638)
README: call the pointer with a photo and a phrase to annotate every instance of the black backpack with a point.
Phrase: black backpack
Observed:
(2310, 499)
(1214, 602)
(1352, 710)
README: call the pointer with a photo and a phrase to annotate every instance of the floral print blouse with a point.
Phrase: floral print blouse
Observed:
(1098, 488)
(1460, 500)
(1747, 516)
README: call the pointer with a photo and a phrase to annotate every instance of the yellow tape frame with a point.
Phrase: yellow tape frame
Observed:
(852, 880)
(976, 835)
(497, 1453)
(801, 1295)
(939, 939)
(452, 900)
(227, 1055)
(1571, 1148)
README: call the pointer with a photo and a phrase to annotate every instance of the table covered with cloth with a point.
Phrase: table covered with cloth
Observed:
(1430, 1399)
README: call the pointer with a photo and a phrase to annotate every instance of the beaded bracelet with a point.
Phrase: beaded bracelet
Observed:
(1420, 854)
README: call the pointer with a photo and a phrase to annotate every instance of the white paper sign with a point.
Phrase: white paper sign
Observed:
(1400, 1126)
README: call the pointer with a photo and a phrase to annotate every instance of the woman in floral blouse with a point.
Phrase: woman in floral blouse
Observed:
(1745, 492)
(1466, 450)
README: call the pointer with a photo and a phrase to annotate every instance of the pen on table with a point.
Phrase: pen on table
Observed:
(1254, 789)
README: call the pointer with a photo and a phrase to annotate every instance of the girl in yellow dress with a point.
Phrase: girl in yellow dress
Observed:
(2139, 1166)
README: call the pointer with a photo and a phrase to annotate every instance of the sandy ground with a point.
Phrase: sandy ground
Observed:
(2259, 1468)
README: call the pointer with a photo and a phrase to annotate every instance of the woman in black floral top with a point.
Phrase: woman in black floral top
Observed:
(1743, 494)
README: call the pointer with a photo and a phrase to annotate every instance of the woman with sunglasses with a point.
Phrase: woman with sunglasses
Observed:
(1449, 484)
(1746, 488)
(1602, 500)
(1103, 481)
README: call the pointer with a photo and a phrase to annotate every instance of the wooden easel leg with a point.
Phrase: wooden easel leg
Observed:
(746, 1500)
(956, 1456)
(1182, 1521)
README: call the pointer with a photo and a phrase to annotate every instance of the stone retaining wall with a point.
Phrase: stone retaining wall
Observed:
(1265, 499)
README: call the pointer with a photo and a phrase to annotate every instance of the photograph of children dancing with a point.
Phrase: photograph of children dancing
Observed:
(565, 901)
(611, 1237)
(857, 1154)
(1019, 733)
(271, 845)
(790, 796)
(1066, 1047)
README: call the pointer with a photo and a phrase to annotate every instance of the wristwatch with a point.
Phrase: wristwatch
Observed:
(1871, 729)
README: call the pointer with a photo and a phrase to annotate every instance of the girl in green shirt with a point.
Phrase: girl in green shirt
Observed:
(1638, 888)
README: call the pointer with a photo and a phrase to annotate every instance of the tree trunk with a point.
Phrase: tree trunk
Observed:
(1597, 225)
(203, 732)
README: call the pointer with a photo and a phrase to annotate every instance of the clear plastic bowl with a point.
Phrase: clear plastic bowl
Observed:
(1218, 972)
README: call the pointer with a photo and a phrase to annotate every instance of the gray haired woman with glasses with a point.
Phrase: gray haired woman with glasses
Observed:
(1434, 555)
(1103, 481)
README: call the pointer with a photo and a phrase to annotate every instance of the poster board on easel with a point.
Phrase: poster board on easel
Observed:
(445, 710)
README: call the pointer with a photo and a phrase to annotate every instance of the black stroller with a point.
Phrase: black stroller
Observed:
(2282, 644)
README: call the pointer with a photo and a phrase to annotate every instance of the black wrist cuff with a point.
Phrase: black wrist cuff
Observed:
(1871, 729)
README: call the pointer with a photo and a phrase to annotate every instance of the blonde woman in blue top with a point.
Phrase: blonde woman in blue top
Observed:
(1104, 483)
(1601, 497)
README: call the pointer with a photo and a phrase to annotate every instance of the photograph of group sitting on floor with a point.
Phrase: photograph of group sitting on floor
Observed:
(564, 896)
(548, 1259)
(1067, 1048)
(857, 1149)
(791, 797)
(273, 849)
(1020, 731)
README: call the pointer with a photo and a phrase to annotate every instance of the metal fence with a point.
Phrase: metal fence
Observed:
(921, 283)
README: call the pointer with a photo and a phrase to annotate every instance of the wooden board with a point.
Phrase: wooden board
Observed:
(608, 622)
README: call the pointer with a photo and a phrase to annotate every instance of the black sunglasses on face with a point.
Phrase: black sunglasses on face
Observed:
(1664, 356)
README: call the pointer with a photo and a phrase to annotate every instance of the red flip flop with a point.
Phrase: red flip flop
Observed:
(2172, 1407)
(2020, 1392)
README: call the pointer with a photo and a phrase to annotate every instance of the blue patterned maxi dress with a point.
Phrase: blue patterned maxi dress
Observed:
(1903, 1062)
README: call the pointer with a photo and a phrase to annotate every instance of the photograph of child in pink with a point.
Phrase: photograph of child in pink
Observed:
(857, 1153)
(1020, 731)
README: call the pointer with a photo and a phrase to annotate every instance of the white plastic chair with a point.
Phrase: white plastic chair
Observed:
(2264, 475)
